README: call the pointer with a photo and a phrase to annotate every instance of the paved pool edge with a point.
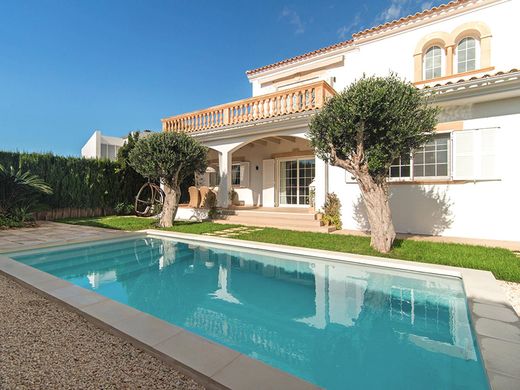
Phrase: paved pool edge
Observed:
(496, 325)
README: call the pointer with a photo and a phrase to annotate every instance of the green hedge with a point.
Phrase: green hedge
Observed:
(78, 182)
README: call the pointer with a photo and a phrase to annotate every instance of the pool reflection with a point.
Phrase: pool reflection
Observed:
(336, 325)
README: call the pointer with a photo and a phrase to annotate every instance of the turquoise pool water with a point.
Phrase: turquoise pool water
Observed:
(337, 325)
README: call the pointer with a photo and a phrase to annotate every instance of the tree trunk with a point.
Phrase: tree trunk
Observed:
(170, 206)
(377, 204)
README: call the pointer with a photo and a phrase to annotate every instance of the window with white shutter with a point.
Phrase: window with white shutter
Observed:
(463, 155)
(488, 154)
(240, 174)
(475, 154)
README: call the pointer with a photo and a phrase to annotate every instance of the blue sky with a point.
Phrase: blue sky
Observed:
(68, 67)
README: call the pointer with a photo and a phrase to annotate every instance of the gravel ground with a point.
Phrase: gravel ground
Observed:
(45, 346)
(512, 291)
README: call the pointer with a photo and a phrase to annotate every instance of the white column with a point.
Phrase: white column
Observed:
(224, 166)
(321, 181)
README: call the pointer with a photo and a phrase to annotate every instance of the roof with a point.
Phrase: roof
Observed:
(301, 57)
(454, 81)
(394, 23)
(405, 19)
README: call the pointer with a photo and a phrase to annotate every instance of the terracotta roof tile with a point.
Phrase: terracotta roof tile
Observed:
(473, 78)
(355, 36)
(405, 19)
(301, 57)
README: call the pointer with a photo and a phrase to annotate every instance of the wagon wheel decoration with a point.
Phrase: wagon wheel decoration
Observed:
(149, 200)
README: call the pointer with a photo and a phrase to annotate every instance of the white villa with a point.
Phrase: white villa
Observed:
(464, 183)
(102, 146)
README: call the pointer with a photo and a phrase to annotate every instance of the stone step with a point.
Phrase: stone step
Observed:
(269, 219)
(315, 229)
(293, 216)
(312, 226)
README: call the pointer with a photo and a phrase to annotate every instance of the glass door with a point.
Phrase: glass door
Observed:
(295, 176)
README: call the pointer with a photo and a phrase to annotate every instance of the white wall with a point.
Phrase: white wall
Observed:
(91, 149)
(480, 209)
(395, 52)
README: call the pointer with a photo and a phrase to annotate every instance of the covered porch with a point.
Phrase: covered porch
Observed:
(271, 181)
(274, 171)
(260, 160)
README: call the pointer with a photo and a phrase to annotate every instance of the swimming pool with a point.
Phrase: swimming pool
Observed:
(337, 325)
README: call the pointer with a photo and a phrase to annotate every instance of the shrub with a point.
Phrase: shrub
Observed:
(19, 193)
(123, 208)
(78, 182)
(332, 211)
(7, 222)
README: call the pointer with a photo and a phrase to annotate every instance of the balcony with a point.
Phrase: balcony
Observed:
(291, 101)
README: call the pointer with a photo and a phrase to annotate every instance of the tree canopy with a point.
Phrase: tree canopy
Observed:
(363, 130)
(169, 158)
(371, 123)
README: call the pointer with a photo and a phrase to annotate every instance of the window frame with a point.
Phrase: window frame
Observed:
(414, 178)
(442, 65)
(213, 178)
(233, 166)
(456, 55)
(243, 166)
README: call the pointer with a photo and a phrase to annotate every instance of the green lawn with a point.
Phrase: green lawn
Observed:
(137, 223)
(504, 264)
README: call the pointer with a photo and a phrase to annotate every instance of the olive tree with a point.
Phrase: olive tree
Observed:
(363, 130)
(168, 157)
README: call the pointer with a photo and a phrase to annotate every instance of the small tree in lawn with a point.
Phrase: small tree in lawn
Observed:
(363, 130)
(168, 157)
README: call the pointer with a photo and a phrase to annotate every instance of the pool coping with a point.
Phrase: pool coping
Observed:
(495, 323)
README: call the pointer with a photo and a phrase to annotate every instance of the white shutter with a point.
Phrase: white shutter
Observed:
(475, 154)
(463, 155)
(244, 174)
(489, 154)
(268, 181)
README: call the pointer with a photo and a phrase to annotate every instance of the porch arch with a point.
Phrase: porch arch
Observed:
(257, 159)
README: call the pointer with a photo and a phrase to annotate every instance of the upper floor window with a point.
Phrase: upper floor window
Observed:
(467, 55)
(433, 63)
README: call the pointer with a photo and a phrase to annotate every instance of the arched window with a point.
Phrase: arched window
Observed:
(432, 63)
(467, 55)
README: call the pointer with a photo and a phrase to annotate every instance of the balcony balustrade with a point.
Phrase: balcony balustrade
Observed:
(291, 101)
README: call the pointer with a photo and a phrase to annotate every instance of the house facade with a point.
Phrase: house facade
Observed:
(102, 146)
(463, 183)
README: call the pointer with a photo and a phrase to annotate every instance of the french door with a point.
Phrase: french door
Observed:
(295, 176)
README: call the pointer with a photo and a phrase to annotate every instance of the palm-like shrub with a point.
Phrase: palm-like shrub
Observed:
(19, 192)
